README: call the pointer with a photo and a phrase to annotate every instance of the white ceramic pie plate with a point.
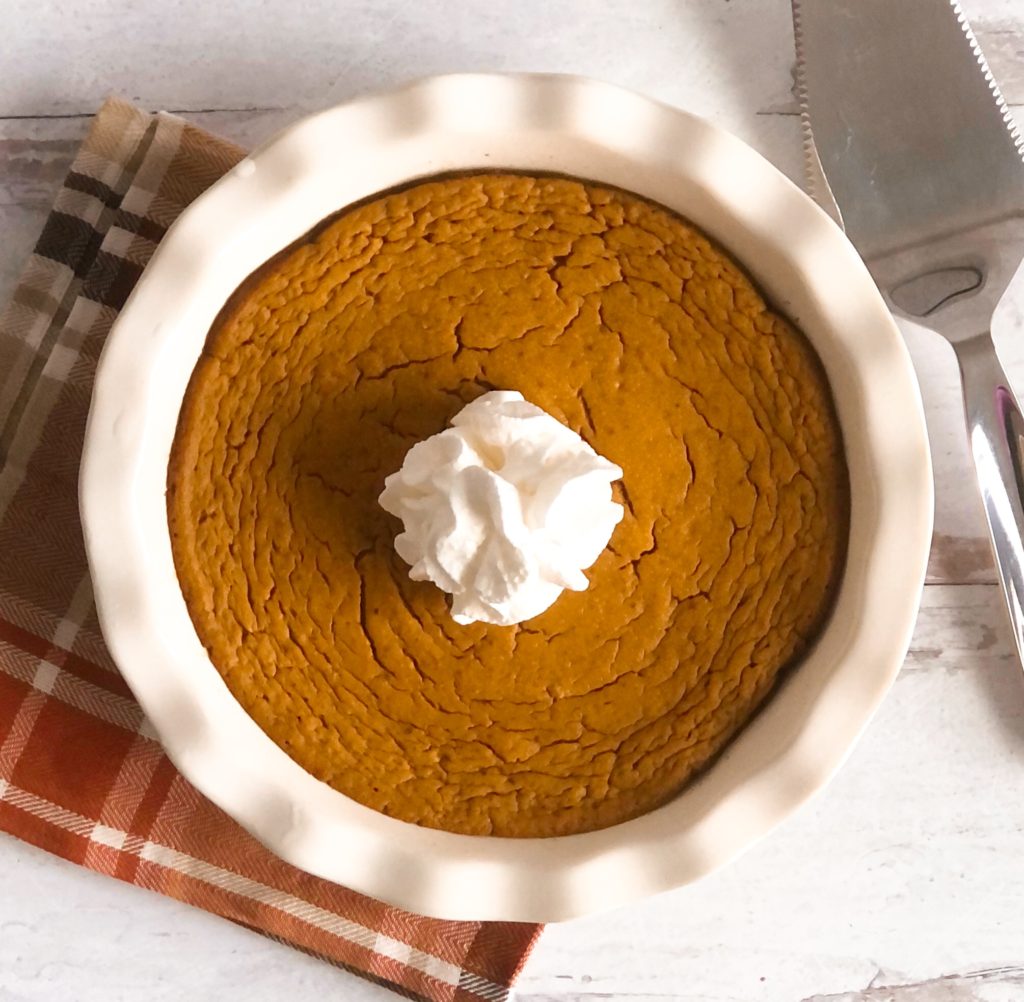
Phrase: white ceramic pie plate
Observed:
(548, 123)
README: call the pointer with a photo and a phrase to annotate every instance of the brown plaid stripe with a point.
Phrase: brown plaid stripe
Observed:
(81, 773)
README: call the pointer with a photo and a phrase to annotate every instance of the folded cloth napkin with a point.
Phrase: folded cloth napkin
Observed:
(81, 772)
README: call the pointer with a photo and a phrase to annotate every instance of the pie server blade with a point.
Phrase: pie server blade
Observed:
(912, 150)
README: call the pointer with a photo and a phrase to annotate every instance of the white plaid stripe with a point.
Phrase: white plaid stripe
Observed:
(27, 317)
(102, 835)
(80, 204)
(47, 811)
(78, 608)
(21, 730)
(12, 473)
(37, 621)
(82, 695)
(393, 948)
(28, 324)
(481, 986)
(59, 363)
(140, 197)
(119, 241)
(47, 277)
(437, 968)
(103, 168)
(45, 676)
(122, 802)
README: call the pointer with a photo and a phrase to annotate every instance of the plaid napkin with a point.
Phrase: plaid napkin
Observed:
(81, 773)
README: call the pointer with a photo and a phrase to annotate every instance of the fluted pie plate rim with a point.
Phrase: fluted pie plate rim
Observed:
(532, 123)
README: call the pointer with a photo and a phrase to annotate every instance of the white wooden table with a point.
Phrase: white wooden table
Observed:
(904, 881)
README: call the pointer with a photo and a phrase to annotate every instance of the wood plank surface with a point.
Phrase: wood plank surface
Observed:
(903, 881)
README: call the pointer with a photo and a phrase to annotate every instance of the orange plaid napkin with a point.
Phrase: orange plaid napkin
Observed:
(81, 773)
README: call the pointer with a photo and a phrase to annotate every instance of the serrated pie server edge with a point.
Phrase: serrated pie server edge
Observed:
(993, 415)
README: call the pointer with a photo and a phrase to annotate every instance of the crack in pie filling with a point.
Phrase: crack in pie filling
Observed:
(625, 323)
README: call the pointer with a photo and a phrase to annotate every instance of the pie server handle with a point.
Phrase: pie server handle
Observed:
(996, 436)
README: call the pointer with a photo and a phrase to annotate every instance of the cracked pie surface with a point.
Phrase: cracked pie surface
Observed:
(624, 322)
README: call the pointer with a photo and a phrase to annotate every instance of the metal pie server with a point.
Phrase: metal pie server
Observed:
(912, 150)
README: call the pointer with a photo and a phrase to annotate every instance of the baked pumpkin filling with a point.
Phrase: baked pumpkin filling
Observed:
(625, 323)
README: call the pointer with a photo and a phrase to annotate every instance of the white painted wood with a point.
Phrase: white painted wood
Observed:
(68, 933)
(906, 869)
(903, 881)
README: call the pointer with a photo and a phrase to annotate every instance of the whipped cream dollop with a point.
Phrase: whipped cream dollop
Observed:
(503, 510)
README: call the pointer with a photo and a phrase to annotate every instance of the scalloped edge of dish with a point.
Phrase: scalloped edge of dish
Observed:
(527, 122)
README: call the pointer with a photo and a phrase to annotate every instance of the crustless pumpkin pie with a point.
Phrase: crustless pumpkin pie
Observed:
(624, 322)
